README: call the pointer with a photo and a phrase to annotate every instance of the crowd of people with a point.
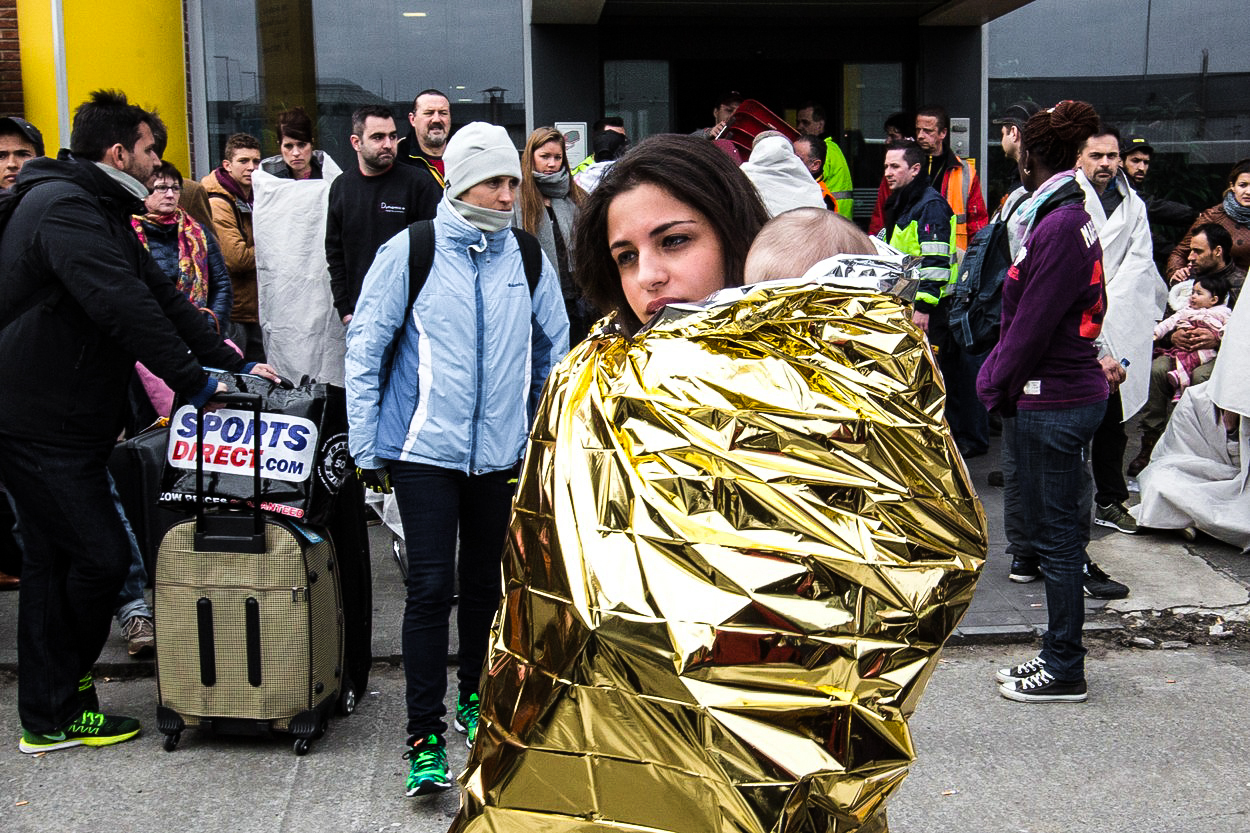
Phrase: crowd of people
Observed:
(442, 277)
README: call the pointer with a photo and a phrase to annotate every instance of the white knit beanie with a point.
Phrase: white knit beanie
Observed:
(479, 151)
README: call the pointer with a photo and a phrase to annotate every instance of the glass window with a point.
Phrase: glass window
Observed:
(263, 56)
(637, 91)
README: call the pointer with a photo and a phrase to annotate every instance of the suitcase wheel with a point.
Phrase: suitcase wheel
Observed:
(302, 745)
(347, 701)
(171, 741)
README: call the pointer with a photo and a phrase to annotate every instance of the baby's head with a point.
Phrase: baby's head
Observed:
(1209, 290)
(795, 241)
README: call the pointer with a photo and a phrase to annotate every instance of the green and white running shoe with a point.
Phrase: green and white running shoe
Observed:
(428, 773)
(89, 729)
(466, 717)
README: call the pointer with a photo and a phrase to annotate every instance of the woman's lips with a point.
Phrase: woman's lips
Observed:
(656, 305)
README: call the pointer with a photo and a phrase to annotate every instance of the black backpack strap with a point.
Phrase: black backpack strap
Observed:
(420, 259)
(234, 206)
(531, 256)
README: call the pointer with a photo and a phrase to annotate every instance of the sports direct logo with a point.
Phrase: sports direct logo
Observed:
(288, 444)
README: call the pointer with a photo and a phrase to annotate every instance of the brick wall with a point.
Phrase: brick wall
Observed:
(11, 102)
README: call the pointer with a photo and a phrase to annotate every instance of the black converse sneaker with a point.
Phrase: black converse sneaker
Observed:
(1019, 672)
(1043, 688)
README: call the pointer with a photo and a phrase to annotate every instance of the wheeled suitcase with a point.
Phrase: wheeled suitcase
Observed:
(250, 624)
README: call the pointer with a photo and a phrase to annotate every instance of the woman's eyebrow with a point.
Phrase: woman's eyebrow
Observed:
(655, 232)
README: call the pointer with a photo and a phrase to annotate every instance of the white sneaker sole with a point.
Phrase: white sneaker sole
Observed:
(1115, 526)
(1009, 691)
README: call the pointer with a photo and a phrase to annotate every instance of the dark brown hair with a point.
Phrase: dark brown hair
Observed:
(295, 124)
(692, 170)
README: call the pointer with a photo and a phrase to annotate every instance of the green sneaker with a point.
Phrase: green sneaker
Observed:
(428, 773)
(466, 717)
(89, 729)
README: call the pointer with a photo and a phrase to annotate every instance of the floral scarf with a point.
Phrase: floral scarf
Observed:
(192, 277)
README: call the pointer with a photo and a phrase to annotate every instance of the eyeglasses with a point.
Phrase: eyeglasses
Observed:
(171, 188)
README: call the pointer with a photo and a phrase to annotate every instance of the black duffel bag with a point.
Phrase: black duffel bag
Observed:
(303, 460)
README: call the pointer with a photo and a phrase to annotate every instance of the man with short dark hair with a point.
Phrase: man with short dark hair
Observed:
(20, 142)
(919, 222)
(423, 147)
(81, 302)
(1135, 299)
(835, 176)
(229, 189)
(371, 203)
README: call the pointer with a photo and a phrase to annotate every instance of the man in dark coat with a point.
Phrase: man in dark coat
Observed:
(82, 301)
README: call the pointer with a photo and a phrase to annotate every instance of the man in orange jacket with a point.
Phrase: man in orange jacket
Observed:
(952, 177)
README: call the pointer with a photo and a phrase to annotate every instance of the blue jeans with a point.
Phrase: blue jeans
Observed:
(1049, 451)
(75, 556)
(1014, 525)
(131, 602)
(434, 504)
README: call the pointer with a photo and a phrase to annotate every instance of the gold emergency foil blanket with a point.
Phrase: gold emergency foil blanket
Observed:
(739, 542)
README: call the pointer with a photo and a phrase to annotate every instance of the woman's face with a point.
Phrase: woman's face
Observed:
(1241, 189)
(665, 250)
(164, 196)
(549, 158)
(298, 156)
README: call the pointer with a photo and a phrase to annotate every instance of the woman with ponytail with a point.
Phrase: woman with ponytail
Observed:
(548, 208)
(1044, 377)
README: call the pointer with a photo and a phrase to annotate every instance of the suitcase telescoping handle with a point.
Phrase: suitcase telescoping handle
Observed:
(229, 531)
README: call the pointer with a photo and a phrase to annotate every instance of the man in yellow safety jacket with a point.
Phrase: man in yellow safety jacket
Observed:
(836, 175)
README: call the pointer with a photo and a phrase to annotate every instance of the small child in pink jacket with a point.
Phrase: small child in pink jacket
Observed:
(1206, 310)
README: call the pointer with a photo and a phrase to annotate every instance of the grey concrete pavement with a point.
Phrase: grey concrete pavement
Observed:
(1160, 746)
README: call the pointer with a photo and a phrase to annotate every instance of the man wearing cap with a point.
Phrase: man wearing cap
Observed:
(20, 142)
(1012, 123)
(1137, 153)
(725, 107)
(440, 397)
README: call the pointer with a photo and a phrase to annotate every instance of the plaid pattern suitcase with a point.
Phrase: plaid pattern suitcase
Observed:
(250, 631)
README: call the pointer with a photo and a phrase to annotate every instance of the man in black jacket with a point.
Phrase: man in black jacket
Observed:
(81, 301)
(371, 203)
(423, 147)
(1137, 153)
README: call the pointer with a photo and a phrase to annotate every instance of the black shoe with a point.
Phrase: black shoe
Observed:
(1043, 688)
(995, 478)
(1099, 585)
(1021, 671)
(1023, 571)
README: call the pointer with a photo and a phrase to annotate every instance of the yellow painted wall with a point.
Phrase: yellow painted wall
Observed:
(136, 47)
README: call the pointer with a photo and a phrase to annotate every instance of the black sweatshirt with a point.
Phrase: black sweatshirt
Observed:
(365, 212)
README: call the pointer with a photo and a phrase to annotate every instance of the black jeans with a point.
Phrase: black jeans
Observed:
(1106, 455)
(434, 503)
(75, 557)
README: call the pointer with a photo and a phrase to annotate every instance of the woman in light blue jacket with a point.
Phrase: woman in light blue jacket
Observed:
(440, 395)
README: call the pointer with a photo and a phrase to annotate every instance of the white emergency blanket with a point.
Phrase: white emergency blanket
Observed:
(1136, 294)
(1198, 476)
(303, 333)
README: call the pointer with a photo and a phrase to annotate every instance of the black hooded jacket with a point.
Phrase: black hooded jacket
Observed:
(102, 303)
